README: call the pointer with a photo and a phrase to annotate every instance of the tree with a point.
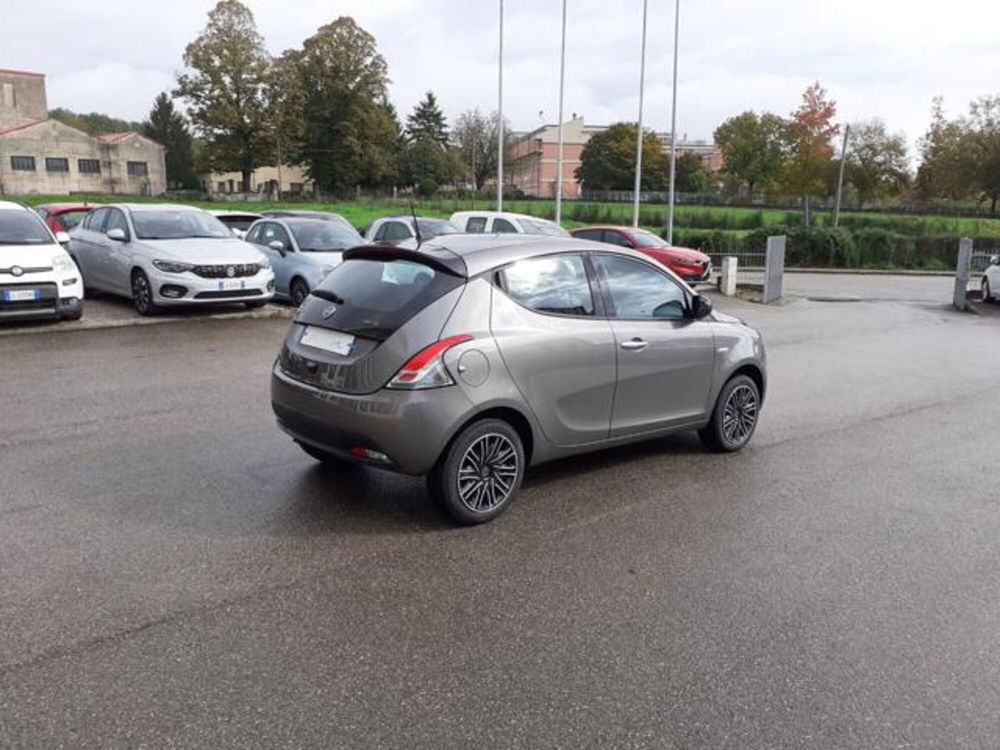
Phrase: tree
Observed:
(349, 137)
(876, 161)
(607, 161)
(476, 136)
(93, 123)
(691, 175)
(980, 153)
(427, 121)
(753, 148)
(941, 173)
(810, 132)
(285, 106)
(168, 127)
(226, 90)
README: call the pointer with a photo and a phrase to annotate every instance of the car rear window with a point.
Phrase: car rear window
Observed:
(373, 298)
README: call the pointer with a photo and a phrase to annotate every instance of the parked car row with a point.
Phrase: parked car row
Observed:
(164, 255)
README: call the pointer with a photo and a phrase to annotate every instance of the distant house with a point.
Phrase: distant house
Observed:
(266, 183)
(534, 156)
(42, 155)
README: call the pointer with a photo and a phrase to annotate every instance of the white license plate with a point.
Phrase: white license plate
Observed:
(228, 285)
(327, 340)
(20, 295)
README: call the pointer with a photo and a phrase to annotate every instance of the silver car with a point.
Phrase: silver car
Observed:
(161, 255)
(475, 356)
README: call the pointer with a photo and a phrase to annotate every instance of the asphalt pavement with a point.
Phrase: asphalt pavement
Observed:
(176, 573)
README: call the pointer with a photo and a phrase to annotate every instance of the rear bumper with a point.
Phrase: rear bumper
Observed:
(411, 428)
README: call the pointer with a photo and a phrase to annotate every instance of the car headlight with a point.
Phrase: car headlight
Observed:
(63, 263)
(263, 263)
(687, 262)
(172, 266)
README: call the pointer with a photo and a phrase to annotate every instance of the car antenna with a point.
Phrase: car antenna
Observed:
(416, 225)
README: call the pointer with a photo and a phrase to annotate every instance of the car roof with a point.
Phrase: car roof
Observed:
(219, 212)
(500, 215)
(12, 206)
(618, 227)
(60, 208)
(154, 206)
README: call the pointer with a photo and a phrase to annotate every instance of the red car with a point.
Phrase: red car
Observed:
(691, 265)
(61, 217)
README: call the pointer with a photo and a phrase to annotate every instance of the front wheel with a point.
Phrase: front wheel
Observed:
(298, 292)
(735, 416)
(479, 473)
(986, 289)
(142, 295)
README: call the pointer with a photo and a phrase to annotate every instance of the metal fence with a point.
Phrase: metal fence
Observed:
(759, 271)
(750, 266)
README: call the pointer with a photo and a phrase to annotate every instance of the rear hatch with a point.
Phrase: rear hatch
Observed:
(369, 316)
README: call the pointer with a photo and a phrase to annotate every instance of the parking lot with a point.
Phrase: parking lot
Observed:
(177, 573)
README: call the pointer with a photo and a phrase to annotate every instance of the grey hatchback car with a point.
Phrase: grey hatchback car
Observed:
(474, 357)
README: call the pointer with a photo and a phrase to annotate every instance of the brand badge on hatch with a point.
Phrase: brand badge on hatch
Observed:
(329, 311)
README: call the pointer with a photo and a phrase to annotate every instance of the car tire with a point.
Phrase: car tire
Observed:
(479, 472)
(735, 416)
(986, 289)
(74, 315)
(142, 294)
(324, 457)
(298, 291)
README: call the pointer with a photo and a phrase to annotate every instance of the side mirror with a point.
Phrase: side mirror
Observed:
(995, 260)
(117, 234)
(700, 306)
(62, 238)
(277, 245)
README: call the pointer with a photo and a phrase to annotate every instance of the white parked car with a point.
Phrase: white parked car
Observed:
(391, 230)
(38, 279)
(991, 280)
(160, 255)
(504, 222)
(238, 221)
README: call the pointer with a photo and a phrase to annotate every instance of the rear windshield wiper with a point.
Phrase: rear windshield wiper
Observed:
(328, 296)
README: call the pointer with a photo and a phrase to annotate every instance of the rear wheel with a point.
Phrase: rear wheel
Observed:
(319, 454)
(735, 416)
(142, 294)
(986, 289)
(479, 473)
(298, 291)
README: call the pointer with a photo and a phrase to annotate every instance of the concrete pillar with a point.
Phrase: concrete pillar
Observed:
(962, 272)
(727, 276)
(774, 268)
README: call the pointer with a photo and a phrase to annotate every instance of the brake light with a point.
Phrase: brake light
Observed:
(426, 368)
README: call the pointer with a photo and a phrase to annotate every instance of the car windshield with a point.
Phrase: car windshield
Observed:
(23, 228)
(317, 235)
(70, 219)
(435, 228)
(539, 226)
(648, 239)
(178, 225)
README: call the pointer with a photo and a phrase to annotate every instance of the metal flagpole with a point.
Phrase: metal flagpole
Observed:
(840, 177)
(673, 130)
(559, 155)
(638, 140)
(500, 117)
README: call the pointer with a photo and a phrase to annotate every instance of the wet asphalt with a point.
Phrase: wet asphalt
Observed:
(174, 572)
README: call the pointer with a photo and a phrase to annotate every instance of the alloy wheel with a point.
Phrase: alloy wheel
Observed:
(140, 293)
(299, 292)
(487, 473)
(739, 414)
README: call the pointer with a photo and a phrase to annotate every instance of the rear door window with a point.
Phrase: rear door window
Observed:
(614, 237)
(502, 226)
(555, 284)
(373, 298)
(476, 225)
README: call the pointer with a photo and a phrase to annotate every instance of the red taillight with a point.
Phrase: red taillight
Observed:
(426, 365)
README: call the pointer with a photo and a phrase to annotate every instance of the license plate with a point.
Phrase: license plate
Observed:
(21, 295)
(327, 340)
(229, 284)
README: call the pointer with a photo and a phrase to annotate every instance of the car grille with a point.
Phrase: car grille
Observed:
(223, 271)
(229, 294)
(26, 270)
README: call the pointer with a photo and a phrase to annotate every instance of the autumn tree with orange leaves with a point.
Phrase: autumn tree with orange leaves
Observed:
(810, 135)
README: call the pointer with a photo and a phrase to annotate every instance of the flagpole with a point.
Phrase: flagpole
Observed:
(559, 155)
(500, 117)
(673, 130)
(638, 140)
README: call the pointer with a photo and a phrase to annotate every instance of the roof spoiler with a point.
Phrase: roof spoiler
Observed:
(439, 259)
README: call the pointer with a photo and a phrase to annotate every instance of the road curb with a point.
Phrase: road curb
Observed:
(269, 313)
(868, 272)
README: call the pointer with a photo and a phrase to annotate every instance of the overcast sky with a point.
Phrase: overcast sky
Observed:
(878, 58)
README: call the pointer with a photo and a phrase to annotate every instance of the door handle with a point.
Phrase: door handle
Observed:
(635, 345)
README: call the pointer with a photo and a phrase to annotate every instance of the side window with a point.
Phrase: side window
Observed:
(116, 220)
(253, 234)
(638, 291)
(396, 231)
(502, 226)
(272, 232)
(95, 222)
(589, 234)
(616, 238)
(551, 284)
(476, 225)
(380, 234)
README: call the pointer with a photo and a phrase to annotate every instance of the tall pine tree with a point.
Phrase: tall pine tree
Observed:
(427, 121)
(168, 127)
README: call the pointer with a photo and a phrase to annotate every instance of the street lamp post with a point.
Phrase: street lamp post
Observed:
(500, 117)
(638, 140)
(559, 154)
(673, 130)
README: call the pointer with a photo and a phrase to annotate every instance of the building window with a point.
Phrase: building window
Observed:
(137, 169)
(221, 187)
(56, 164)
(88, 166)
(22, 163)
